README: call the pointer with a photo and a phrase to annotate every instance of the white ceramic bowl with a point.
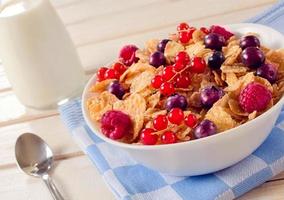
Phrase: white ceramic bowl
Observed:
(212, 153)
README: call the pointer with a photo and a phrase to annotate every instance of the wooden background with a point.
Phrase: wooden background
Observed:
(99, 28)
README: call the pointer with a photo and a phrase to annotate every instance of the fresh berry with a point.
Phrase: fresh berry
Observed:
(111, 74)
(115, 124)
(214, 41)
(101, 73)
(157, 59)
(249, 41)
(205, 30)
(205, 129)
(119, 67)
(160, 122)
(168, 73)
(216, 60)
(167, 88)
(190, 120)
(182, 57)
(209, 95)
(127, 54)
(254, 97)
(184, 37)
(176, 116)
(267, 71)
(162, 45)
(147, 137)
(176, 101)
(252, 57)
(222, 31)
(198, 65)
(182, 26)
(178, 66)
(168, 137)
(182, 81)
(157, 81)
(116, 89)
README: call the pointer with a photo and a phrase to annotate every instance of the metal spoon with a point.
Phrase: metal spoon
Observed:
(35, 158)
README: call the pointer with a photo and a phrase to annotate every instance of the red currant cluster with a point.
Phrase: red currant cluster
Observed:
(178, 74)
(185, 32)
(160, 122)
(114, 72)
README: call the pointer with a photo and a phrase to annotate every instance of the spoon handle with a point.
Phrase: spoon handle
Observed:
(52, 188)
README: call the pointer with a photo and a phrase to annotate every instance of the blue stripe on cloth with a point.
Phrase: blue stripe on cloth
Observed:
(272, 149)
(139, 179)
(205, 187)
(90, 133)
(252, 181)
(97, 158)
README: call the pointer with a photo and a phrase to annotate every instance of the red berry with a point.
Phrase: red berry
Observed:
(221, 31)
(157, 81)
(101, 73)
(176, 116)
(111, 74)
(127, 54)
(168, 73)
(182, 57)
(147, 137)
(185, 36)
(182, 81)
(167, 88)
(121, 68)
(254, 97)
(198, 65)
(190, 120)
(204, 30)
(169, 137)
(160, 122)
(178, 66)
(182, 26)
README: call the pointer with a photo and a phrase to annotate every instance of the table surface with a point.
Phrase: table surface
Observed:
(99, 28)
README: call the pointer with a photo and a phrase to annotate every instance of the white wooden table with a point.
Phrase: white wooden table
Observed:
(99, 28)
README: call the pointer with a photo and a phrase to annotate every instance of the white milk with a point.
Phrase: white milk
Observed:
(38, 55)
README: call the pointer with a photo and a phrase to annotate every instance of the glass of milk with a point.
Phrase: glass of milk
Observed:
(38, 55)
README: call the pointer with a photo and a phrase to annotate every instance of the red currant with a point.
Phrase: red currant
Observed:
(101, 73)
(182, 26)
(185, 36)
(178, 66)
(111, 74)
(198, 65)
(205, 30)
(176, 116)
(182, 57)
(147, 137)
(182, 81)
(160, 122)
(157, 81)
(190, 120)
(167, 88)
(121, 68)
(169, 137)
(168, 73)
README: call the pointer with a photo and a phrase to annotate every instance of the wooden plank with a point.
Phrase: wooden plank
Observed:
(51, 129)
(152, 18)
(268, 191)
(85, 10)
(12, 111)
(76, 178)
(97, 54)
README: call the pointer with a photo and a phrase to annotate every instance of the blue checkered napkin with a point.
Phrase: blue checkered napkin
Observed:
(131, 181)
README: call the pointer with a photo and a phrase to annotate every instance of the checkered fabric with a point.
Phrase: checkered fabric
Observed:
(131, 181)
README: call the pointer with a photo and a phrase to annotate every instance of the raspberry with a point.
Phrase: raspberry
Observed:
(115, 124)
(222, 31)
(254, 97)
(182, 26)
(127, 54)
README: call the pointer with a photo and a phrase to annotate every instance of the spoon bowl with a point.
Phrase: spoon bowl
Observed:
(35, 158)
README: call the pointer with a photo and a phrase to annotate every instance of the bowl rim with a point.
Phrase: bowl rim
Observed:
(93, 127)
